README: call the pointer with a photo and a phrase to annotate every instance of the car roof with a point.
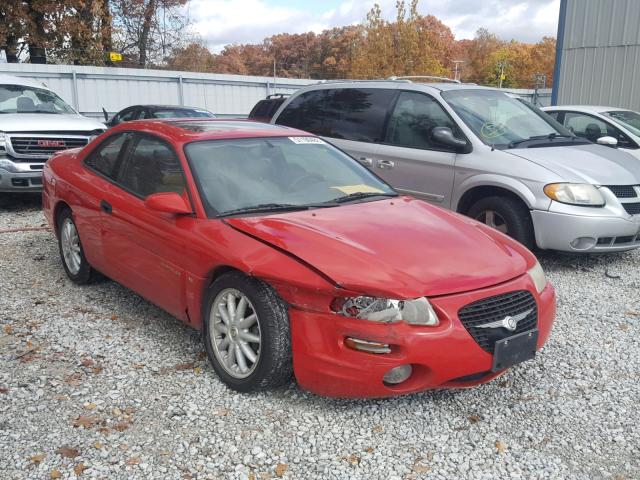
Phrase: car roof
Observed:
(168, 107)
(586, 108)
(443, 86)
(190, 130)
(23, 81)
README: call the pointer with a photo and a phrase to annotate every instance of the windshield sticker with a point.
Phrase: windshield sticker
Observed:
(492, 130)
(306, 140)
(362, 188)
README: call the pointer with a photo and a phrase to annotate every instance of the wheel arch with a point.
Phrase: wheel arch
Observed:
(58, 209)
(478, 188)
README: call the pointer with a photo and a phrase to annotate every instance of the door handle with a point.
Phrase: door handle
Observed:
(386, 164)
(105, 206)
(366, 161)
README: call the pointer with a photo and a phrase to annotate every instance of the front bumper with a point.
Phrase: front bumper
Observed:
(581, 233)
(445, 356)
(28, 179)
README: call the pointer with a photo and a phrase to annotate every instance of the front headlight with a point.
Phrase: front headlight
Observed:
(415, 312)
(575, 194)
(538, 277)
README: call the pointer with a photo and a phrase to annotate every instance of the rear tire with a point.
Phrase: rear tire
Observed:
(507, 215)
(71, 253)
(246, 333)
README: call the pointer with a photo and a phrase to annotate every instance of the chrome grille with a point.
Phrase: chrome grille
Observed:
(494, 309)
(44, 146)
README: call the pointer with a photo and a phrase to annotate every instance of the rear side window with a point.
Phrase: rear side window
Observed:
(104, 159)
(355, 114)
(413, 120)
(152, 167)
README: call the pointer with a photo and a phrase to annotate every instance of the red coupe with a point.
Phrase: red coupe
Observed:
(291, 257)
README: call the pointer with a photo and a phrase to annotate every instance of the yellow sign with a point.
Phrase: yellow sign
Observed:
(503, 77)
(115, 57)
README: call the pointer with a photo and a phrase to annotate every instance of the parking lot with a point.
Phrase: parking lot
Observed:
(97, 382)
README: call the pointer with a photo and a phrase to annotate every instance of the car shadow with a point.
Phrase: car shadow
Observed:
(18, 202)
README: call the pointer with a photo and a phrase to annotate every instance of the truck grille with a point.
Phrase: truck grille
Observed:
(623, 191)
(44, 146)
(632, 208)
(494, 309)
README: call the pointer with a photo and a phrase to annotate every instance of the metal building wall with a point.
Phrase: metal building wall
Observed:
(599, 53)
(89, 89)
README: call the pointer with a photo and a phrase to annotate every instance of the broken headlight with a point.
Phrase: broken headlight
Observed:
(415, 312)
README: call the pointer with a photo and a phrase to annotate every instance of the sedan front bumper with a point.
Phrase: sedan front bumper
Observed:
(444, 356)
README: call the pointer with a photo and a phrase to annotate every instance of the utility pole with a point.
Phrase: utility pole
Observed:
(502, 64)
(456, 73)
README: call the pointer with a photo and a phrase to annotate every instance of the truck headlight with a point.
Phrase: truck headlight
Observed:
(415, 312)
(538, 277)
(575, 194)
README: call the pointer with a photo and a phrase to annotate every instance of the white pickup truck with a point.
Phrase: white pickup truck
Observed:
(35, 123)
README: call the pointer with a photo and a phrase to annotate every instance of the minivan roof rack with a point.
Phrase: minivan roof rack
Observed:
(278, 95)
(378, 80)
(428, 77)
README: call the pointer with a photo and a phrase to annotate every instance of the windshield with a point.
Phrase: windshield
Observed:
(181, 113)
(21, 99)
(277, 172)
(500, 120)
(629, 120)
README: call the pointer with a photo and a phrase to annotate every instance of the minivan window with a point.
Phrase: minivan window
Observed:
(413, 120)
(499, 120)
(355, 114)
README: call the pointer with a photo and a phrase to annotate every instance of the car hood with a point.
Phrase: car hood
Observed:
(594, 164)
(400, 248)
(42, 122)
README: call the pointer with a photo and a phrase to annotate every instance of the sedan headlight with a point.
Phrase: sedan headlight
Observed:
(538, 277)
(415, 312)
(575, 194)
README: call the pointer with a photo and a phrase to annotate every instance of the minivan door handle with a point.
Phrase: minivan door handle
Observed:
(366, 161)
(386, 164)
(106, 207)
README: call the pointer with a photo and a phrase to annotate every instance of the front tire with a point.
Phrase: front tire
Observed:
(71, 252)
(507, 215)
(246, 333)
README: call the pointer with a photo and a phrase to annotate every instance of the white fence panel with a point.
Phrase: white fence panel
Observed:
(89, 89)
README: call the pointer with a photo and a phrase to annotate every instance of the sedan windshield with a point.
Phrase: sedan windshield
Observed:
(252, 175)
(500, 120)
(21, 99)
(629, 120)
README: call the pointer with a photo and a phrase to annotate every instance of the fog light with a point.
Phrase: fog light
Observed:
(583, 243)
(366, 345)
(397, 375)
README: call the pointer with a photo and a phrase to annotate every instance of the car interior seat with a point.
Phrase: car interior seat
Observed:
(25, 104)
(592, 132)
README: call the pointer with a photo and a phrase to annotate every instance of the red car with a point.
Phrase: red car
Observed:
(291, 257)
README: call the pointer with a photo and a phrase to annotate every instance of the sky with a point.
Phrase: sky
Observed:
(221, 22)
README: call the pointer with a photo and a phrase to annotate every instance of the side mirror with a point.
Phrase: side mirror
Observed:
(608, 142)
(444, 136)
(167, 202)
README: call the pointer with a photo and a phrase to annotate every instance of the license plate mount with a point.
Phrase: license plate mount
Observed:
(513, 350)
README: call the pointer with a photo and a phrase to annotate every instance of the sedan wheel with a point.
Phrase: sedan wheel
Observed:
(246, 333)
(70, 244)
(235, 331)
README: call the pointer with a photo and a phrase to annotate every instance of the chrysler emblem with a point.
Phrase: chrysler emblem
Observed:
(508, 322)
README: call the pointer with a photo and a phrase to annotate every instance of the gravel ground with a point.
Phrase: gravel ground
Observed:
(97, 383)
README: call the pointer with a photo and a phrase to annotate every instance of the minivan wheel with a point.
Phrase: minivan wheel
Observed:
(246, 333)
(71, 252)
(507, 215)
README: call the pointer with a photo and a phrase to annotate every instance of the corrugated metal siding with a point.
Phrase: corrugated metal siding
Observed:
(117, 88)
(601, 54)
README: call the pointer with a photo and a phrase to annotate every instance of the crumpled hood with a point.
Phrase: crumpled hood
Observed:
(594, 164)
(41, 122)
(400, 248)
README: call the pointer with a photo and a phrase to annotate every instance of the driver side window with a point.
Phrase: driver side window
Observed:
(413, 120)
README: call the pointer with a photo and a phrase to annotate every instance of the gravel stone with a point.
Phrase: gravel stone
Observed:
(100, 370)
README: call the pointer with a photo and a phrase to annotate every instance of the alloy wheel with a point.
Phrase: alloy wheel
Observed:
(70, 242)
(235, 334)
(493, 219)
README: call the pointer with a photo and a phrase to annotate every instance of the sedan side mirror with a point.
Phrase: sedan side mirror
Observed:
(608, 142)
(167, 202)
(444, 136)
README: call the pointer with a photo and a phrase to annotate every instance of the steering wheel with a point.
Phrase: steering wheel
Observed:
(304, 179)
